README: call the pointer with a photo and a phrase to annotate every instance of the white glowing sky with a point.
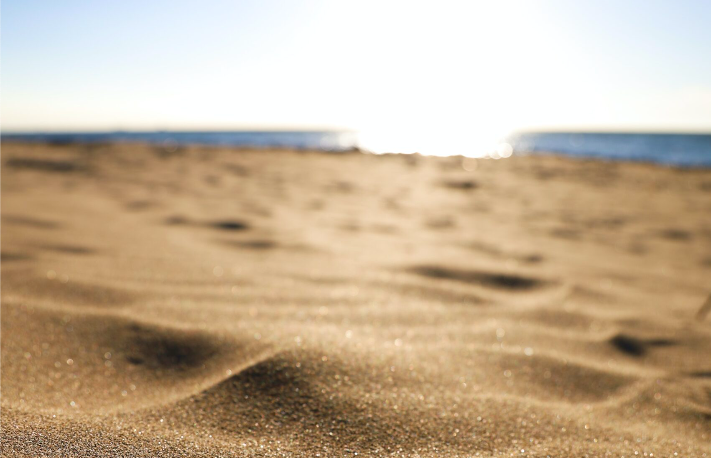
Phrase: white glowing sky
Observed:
(412, 74)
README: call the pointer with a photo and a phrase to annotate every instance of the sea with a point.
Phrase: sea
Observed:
(677, 149)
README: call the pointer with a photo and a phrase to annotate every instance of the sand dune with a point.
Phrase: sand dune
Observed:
(214, 302)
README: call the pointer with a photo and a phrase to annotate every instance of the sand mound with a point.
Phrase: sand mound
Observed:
(132, 364)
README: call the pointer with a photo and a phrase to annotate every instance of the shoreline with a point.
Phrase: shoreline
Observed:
(355, 150)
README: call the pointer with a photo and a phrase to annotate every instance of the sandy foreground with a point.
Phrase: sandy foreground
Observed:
(212, 302)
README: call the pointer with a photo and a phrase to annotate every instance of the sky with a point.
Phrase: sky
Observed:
(412, 71)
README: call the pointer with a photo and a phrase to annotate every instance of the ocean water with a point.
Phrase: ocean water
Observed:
(321, 140)
(688, 150)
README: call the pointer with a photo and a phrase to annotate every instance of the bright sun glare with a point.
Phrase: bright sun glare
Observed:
(447, 88)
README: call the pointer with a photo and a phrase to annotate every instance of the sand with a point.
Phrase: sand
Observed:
(212, 302)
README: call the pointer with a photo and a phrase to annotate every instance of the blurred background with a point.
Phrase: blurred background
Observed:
(440, 78)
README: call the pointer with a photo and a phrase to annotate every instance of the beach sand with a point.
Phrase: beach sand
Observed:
(214, 302)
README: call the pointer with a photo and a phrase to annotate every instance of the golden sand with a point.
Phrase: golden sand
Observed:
(207, 302)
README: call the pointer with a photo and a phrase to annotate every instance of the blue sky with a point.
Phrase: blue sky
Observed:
(377, 66)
